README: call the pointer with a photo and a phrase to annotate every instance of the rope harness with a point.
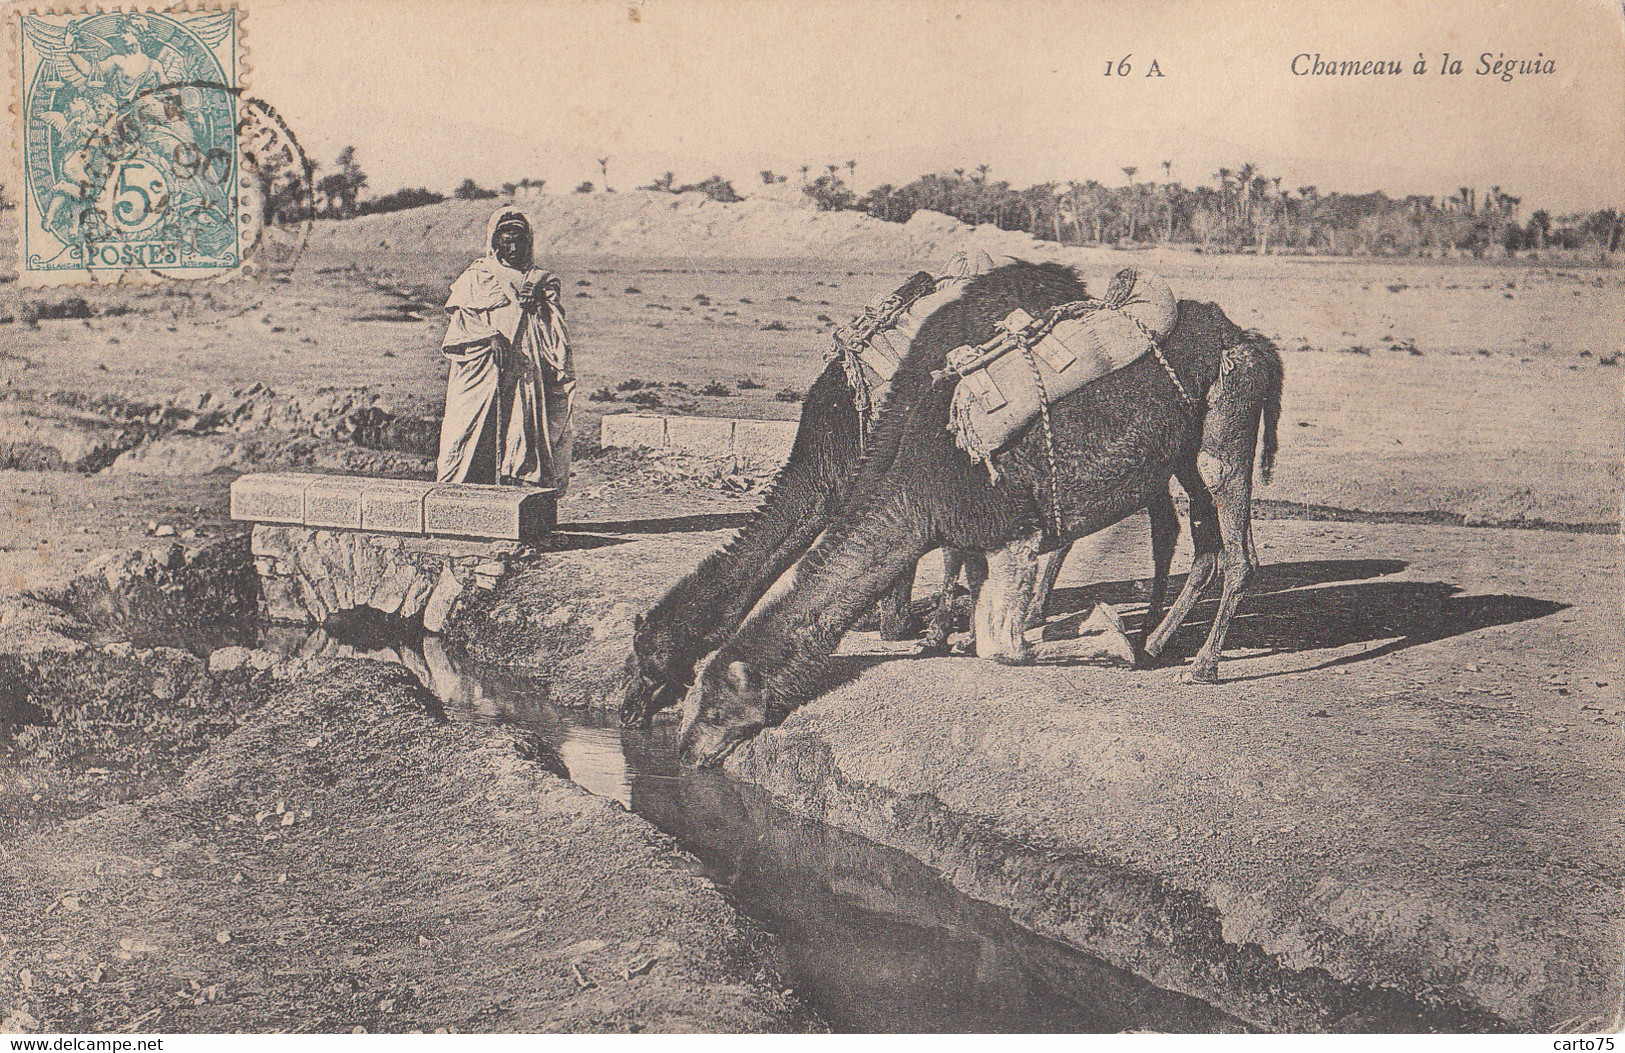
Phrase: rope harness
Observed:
(850, 342)
(1026, 339)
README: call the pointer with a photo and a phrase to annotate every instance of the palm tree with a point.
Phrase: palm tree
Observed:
(1167, 170)
(1223, 175)
(981, 173)
(1244, 190)
(804, 170)
(603, 168)
(852, 172)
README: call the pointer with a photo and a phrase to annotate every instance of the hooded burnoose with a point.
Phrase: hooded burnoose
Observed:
(512, 383)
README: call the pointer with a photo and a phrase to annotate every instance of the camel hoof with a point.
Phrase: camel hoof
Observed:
(1200, 674)
(1012, 659)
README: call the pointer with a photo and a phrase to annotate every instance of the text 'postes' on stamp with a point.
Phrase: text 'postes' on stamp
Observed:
(142, 159)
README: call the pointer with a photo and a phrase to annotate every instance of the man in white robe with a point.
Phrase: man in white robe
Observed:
(512, 384)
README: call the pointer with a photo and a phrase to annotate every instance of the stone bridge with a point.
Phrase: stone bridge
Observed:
(410, 549)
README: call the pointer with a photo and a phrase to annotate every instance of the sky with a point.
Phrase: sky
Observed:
(431, 91)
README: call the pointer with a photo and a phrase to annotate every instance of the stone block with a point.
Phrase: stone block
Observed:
(367, 564)
(632, 429)
(763, 440)
(316, 607)
(701, 436)
(314, 571)
(278, 542)
(335, 552)
(394, 505)
(280, 594)
(417, 595)
(446, 591)
(270, 498)
(392, 591)
(501, 512)
(333, 501)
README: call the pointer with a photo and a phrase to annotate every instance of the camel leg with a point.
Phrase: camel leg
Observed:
(896, 608)
(1164, 536)
(1003, 603)
(1051, 570)
(974, 565)
(1208, 542)
(1232, 494)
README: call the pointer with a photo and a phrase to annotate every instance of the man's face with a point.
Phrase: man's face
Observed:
(511, 243)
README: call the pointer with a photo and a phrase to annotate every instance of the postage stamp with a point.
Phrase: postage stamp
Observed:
(131, 134)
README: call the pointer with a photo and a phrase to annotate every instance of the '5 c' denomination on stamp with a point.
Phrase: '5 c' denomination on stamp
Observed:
(129, 129)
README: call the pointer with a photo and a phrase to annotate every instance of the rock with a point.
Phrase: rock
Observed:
(312, 600)
(334, 548)
(275, 541)
(171, 556)
(446, 591)
(417, 595)
(367, 569)
(314, 570)
(228, 660)
(391, 593)
(174, 455)
(491, 567)
(280, 599)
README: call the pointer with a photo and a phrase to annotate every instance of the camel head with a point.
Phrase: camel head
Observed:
(725, 707)
(657, 675)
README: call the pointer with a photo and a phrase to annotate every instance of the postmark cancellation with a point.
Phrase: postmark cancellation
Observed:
(130, 135)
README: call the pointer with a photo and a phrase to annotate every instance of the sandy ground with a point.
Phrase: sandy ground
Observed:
(342, 861)
(1409, 779)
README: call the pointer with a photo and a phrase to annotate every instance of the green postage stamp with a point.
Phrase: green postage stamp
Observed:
(131, 129)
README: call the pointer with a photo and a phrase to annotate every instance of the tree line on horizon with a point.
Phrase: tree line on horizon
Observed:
(1245, 211)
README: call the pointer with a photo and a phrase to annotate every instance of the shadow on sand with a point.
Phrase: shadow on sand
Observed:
(1313, 605)
(1322, 605)
(693, 524)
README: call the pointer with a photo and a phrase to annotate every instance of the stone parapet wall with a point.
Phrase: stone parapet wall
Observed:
(403, 506)
(308, 573)
(746, 441)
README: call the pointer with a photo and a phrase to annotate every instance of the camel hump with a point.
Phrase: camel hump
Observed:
(1145, 297)
(1000, 393)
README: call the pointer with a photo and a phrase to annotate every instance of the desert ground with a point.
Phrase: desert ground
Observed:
(1399, 809)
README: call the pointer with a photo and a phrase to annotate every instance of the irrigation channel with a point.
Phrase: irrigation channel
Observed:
(871, 938)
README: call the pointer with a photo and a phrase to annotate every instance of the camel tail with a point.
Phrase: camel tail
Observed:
(1272, 401)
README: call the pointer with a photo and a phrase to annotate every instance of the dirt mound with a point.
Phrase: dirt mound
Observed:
(342, 861)
(651, 224)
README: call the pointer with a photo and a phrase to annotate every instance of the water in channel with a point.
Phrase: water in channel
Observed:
(871, 938)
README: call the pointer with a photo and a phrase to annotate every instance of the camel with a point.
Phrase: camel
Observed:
(1117, 443)
(702, 610)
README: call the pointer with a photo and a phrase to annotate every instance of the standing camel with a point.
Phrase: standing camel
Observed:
(1193, 413)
